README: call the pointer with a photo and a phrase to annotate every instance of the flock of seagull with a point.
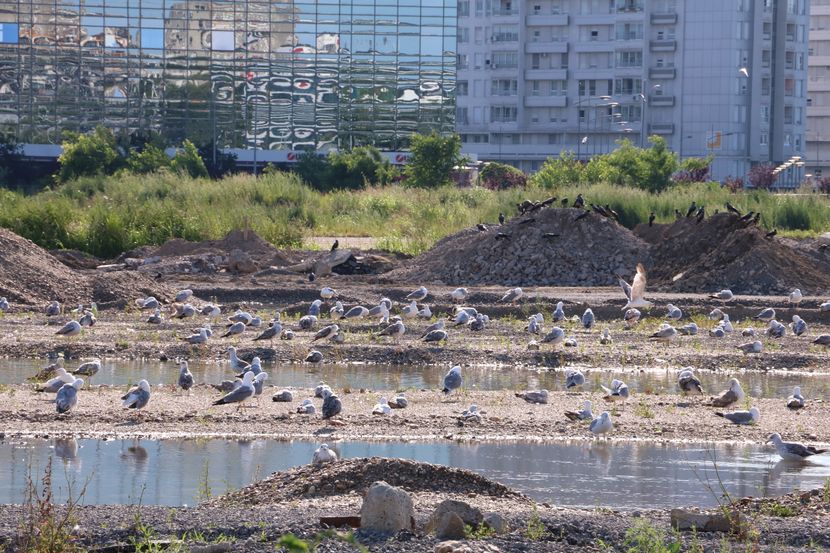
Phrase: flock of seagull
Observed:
(250, 377)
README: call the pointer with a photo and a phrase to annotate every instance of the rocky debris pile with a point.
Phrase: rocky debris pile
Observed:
(548, 247)
(356, 475)
(723, 252)
(240, 252)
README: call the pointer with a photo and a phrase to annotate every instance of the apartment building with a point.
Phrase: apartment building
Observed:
(817, 153)
(537, 77)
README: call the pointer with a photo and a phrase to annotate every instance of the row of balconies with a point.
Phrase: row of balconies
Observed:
(547, 101)
(557, 20)
(515, 126)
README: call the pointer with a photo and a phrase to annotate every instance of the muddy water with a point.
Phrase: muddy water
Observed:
(584, 474)
(400, 377)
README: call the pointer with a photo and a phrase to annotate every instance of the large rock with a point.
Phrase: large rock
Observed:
(467, 513)
(734, 523)
(387, 509)
(496, 522)
(449, 526)
(241, 262)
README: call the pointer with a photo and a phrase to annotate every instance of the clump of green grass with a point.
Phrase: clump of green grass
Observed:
(780, 510)
(644, 537)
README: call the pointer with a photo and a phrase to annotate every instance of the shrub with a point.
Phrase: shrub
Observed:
(658, 165)
(224, 163)
(559, 171)
(188, 161)
(432, 160)
(733, 184)
(693, 169)
(498, 176)
(150, 160)
(88, 154)
(761, 176)
(823, 185)
(355, 168)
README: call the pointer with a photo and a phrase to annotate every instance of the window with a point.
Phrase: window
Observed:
(764, 114)
(461, 116)
(462, 88)
(788, 115)
(463, 34)
(463, 8)
(765, 58)
(628, 86)
(763, 139)
(558, 87)
(629, 31)
(630, 59)
(594, 34)
(9, 33)
(505, 33)
(631, 112)
(503, 114)
(503, 87)
(536, 88)
(221, 41)
(535, 61)
(505, 59)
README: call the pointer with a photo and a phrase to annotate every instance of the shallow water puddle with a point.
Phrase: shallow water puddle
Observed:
(401, 377)
(578, 473)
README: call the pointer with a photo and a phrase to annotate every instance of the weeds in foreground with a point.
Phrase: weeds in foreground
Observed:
(825, 491)
(536, 529)
(643, 410)
(644, 537)
(779, 510)
(481, 532)
(45, 528)
(293, 544)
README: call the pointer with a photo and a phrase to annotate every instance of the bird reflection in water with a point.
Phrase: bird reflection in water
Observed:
(67, 450)
(135, 453)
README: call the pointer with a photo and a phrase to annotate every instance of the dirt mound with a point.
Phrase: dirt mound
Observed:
(116, 289)
(721, 252)
(247, 241)
(357, 475)
(75, 259)
(546, 248)
(31, 276)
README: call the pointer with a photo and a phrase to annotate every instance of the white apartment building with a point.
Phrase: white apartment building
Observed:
(537, 77)
(817, 153)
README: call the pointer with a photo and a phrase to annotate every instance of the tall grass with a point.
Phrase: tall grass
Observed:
(107, 215)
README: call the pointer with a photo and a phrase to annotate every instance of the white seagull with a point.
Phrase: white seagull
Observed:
(635, 292)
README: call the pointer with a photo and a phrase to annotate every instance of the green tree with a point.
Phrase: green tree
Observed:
(659, 164)
(88, 154)
(559, 171)
(313, 169)
(357, 167)
(187, 160)
(150, 160)
(499, 176)
(433, 158)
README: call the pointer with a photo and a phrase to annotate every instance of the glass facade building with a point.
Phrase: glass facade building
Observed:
(265, 74)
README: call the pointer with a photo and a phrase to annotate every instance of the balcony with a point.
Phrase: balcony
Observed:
(546, 20)
(669, 45)
(560, 47)
(661, 100)
(663, 18)
(662, 73)
(546, 101)
(546, 74)
(661, 128)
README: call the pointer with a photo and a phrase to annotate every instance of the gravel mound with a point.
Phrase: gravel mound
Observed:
(721, 252)
(31, 276)
(356, 475)
(551, 250)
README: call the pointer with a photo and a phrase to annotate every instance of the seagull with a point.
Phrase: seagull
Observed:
(314, 308)
(320, 388)
(410, 310)
(148, 303)
(459, 294)
(240, 317)
(438, 325)
(673, 312)
(314, 356)
(452, 380)
(398, 402)
(90, 368)
(688, 330)
(795, 296)
(183, 311)
(382, 407)
(323, 455)
(796, 401)
(606, 337)
(54, 384)
(256, 322)
(689, 383)
(559, 312)
(766, 315)
(798, 325)
(327, 293)
(583, 415)
(462, 318)
(748, 332)
(666, 333)
(601, 424)
(635, 292)
(307, 322)
(306, 408)
(724, 295)
(513, 295)
(435, 336)
(212, 311)
(425, 312)
(53, 309)
(823, 340)
(200, 337)
(726, 324)
(716, 314)
(183, 295)
(337, 311)
(617, 392)
(138, 396)
(733, 394)
(472, 414)
(285, 396)
(255, 367)
(588, 319)
(776, 329)
(556, 336)
(329, 332)
(234, 329)
(825, 306)
(717, 332)
(241, 393)
(155, 318)
(742, 417)
(4, 304)
(793, 451)
(72, 328)
(631, 317)
(185, 377)
(236, 364)
(356, 312)
(331, 404)
(395, 330)
(67, 396)
(751, 347)
(418, 295)
(534, 396)
(259, 384)
(270, 333)
(287, 334)
(574, 378)
(533, 325)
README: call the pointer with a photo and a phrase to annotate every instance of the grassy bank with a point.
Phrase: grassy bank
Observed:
(107, 215)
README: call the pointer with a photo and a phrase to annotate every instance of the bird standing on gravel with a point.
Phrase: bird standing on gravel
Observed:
(328, 293)
(199, 337)
(459, 294)
(236, 364)
(395, 331)
(559, 312)
(513, 295)
(534, 396)
(185, 377)
(742, 417)
(270, 333)
(617, 392)
(798, 325)
(796, 400)
(724, 295)
(53, 309)
(793, 451)
(452, 380)
(666, 333)
(606, 337)
(588, 319)
(332, 406)
(243, 392)
(730, 396)
(766, 315)
(138, 397)
(435, 336)
(795, 297)
(323, 455)
(583, 415)
(751, 347)
(234, 329)
(689, 383)
(67, 396)
(574, 379)
(418, 295)
(673, 312)
(72, 328)
(90, 368)
(501, 218)
(437, 325)
(651, 218)
(631, 317)
(329, 331)
(601, 424)
(823, 340)
(776, 329)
